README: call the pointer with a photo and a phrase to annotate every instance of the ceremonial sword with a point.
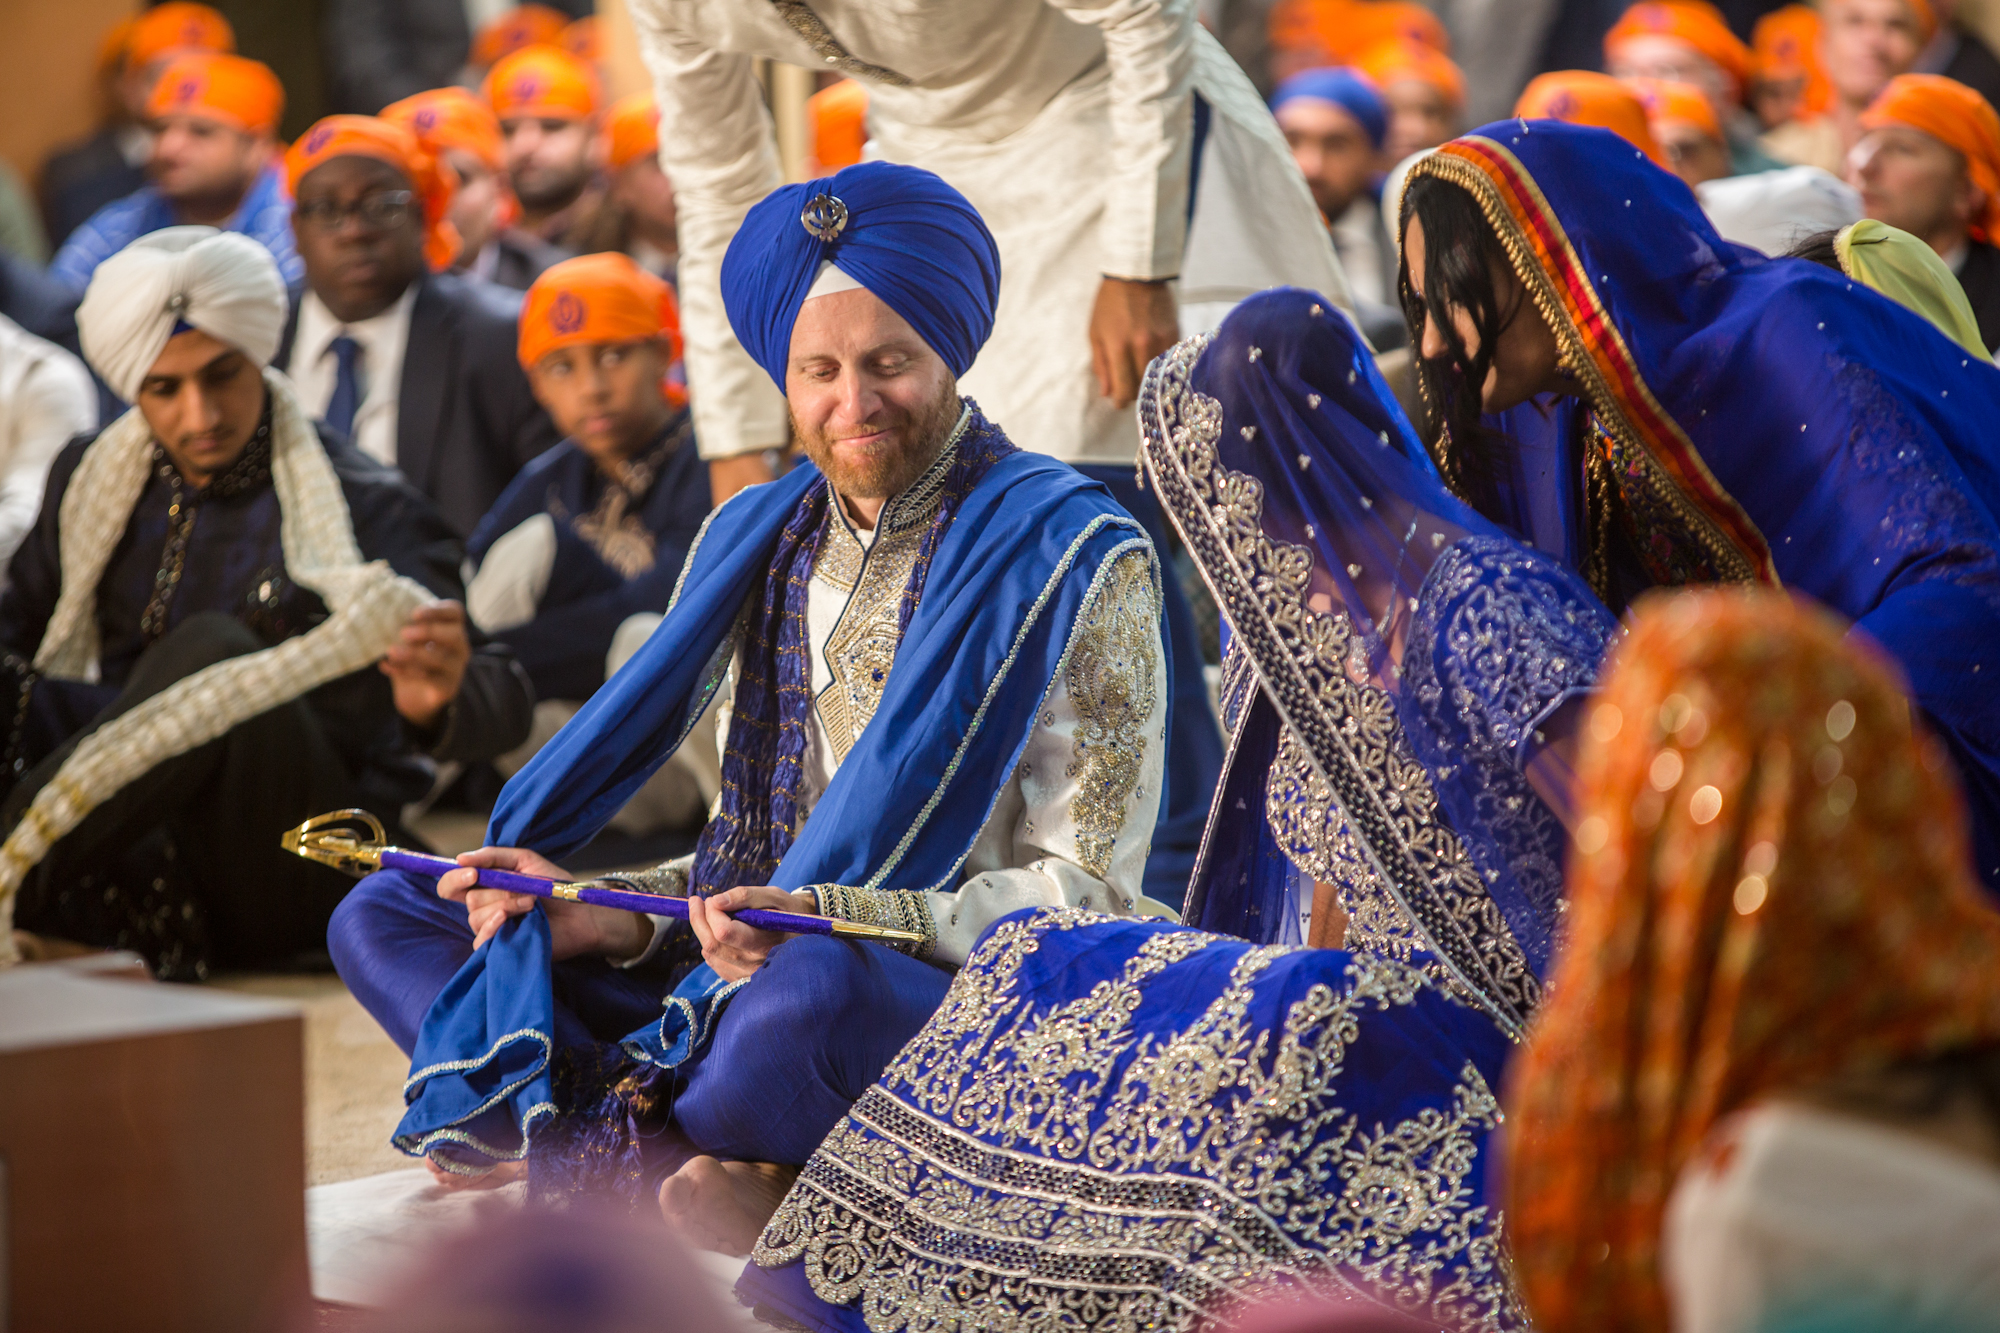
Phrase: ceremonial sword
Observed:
(334, 840)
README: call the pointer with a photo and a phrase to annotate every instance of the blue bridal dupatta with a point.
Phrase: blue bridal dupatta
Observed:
(999, 603)
(1744, 418)
(1133, 1125)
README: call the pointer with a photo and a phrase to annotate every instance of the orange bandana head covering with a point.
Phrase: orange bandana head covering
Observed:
(1582, 97)
(542, 81)
(522, 26)
(1784, 46)
(1678, 101)
(176, 26)
(366, 136)
(1336, 32)
(631, 130)
(839, 116)
(1387, 62)
(1952, 113)
(1695, 22)
(1772, 886)
(600, 298)
(583, 39)
(451, 118)
(227, 88)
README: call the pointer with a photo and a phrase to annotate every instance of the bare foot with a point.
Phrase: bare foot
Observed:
(724, 1206)
(503, 1173)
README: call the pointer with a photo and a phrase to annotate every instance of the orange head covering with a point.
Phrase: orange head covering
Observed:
(1678, 101)
(600, 298)
(1949, 111)
(1582, 97)
(1336, 32)
(524, 25)
(1399, 58)
(839, 116)
(366, 136)
(542, 81)
(176, 26)
(227, 88)
(1772, 887)
(1695, 22)
(583, 39)
(451, 118)
(632, 130)
(1785, 45)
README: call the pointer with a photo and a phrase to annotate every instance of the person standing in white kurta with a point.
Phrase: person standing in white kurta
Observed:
(1131, 175)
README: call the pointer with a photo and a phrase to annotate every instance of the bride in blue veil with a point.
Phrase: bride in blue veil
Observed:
(1141, 1125)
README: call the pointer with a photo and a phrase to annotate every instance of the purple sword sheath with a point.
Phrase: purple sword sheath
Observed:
(791, 923)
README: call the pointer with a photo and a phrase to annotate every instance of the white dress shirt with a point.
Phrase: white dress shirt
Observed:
(1069, 125)
(45, 398)
(379, 366)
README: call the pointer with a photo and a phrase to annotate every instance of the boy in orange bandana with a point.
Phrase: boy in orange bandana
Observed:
(578, 559)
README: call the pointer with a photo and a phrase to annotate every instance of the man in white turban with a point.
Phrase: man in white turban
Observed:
(221, 624)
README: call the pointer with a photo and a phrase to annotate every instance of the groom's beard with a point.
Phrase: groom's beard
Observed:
(915, 438)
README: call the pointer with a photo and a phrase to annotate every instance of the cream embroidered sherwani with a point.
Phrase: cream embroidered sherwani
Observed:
(1073, 824)
(1069, 124)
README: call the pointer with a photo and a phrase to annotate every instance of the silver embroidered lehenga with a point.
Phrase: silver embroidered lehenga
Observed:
(1132, 1125)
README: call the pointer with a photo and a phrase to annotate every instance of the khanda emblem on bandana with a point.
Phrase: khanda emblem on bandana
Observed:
(566, 314)
(824, 216)
(318, 139)
(189, 88)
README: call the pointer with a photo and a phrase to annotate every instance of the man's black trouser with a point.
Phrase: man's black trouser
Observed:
(183, 864)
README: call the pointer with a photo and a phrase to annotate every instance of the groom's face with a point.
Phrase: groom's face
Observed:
(870, 400)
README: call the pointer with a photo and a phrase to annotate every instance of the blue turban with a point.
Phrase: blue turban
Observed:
(899, 231)
(1347, 89)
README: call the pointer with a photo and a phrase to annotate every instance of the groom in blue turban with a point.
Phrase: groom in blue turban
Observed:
(941, 689)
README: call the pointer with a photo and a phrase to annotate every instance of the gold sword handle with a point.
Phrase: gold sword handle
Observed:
(333, 840)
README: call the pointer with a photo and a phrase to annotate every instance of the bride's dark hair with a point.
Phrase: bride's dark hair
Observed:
(1461, 255)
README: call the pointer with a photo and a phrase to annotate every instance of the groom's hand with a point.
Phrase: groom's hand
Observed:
(733, 949)
(574, 928)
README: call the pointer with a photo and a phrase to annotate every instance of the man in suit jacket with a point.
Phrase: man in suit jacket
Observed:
(419, 367)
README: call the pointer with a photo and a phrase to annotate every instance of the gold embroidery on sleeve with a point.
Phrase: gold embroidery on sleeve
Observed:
(1109, 675)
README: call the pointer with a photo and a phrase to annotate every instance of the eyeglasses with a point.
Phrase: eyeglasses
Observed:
(383, 209)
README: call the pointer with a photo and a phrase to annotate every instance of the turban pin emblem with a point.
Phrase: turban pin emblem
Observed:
(825, 216)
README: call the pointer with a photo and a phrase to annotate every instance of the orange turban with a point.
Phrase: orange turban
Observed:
(366, 136)
(1695, 22)
(524, 25)
(1336, 32)
(1396, 59)
(583, 39)
(542, 81)
(227, 88)
(1952, 113)
(600, 298)
(451, 118)
(177, 26)
(632, 130)
(1585, 98)
(839, 116)
(1678, 101)
(1785, 45)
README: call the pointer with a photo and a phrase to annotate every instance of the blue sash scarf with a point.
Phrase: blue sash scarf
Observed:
(1005, 579)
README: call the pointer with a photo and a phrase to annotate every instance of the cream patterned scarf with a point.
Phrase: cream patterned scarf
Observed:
(368, 603)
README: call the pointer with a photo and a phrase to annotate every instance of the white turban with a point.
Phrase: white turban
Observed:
(220, 282)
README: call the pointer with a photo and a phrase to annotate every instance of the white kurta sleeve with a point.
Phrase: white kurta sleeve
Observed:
(718, 149)
(1149, 47)
(52, 403)
(1075, 822)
